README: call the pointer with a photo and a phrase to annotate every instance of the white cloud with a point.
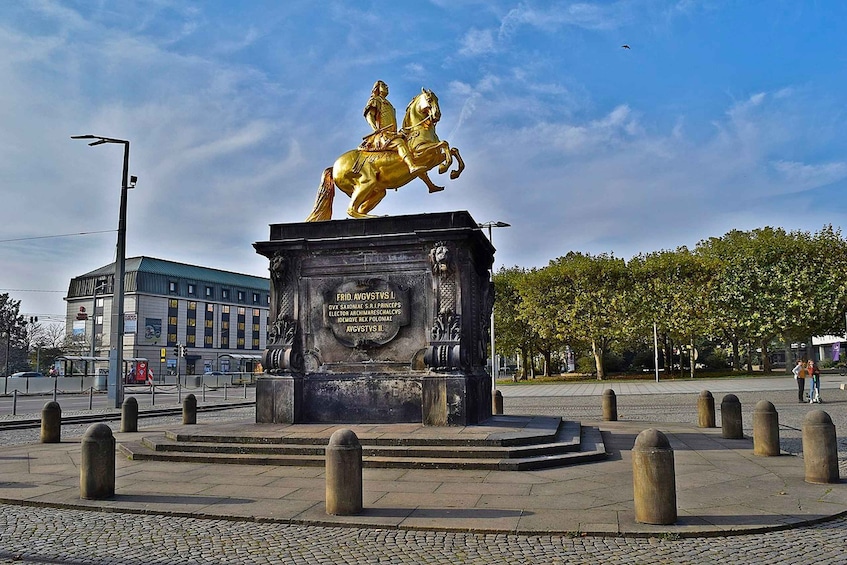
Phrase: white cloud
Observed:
(803, 175)
(477, 42)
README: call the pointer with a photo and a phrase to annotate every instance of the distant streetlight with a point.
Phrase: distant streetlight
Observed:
(31, 330)
(116, 340)
(494, 367)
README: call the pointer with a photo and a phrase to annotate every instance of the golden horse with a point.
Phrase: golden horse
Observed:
(365, 176)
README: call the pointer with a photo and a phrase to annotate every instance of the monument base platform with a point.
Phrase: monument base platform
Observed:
(373, 398)
(383, 320)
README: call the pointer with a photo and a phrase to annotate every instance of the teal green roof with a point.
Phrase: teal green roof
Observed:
(173, 269)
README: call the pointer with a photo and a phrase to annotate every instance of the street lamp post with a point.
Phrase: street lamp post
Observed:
(494, 367)
(116, 339)
(31, 327)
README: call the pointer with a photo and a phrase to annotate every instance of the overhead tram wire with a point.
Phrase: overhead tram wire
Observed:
(58, 235)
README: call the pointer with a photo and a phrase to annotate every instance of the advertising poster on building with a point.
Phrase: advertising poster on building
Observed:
(130, 323)
(79, 329)
(152, 331)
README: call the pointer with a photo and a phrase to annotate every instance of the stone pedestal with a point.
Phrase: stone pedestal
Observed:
(378, 321)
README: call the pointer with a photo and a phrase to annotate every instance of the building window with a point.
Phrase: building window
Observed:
(225, 294)
(208, 341)
(191, 340)
(240, 344)
(209, 293)
(224, 309)
(210, 323)
(241, 296)
(255, 312)
(242, 311)
(268, 300)
(255, 298)
(191, 322)
(191, 289)
(192, 306)
(225, 325)
(172, 287)
(241, 326)
(173, 312)
(255, 343)
(210, 308)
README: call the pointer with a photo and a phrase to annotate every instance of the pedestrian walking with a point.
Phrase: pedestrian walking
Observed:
(799, 371)
(815, 382)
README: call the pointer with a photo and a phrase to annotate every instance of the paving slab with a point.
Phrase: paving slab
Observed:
(722, 487)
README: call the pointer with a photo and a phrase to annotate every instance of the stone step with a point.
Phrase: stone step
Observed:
(572, 444)
(567, 439)
(532, 430)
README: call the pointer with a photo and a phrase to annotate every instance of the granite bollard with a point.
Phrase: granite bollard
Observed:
(97, 464)
(706, 410)
(765, 429)
(653, 479)
(731, 427)
(820, 448)
(610, 406)
(129, 415)
(344, 474)
(51, 423)
(498, 402)
(189, 409)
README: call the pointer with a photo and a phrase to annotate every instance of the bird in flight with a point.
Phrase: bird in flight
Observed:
(624, 46)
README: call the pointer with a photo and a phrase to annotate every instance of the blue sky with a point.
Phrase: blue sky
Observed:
(722, 115)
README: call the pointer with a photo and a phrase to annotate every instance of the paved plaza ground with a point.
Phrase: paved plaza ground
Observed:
(581, 514)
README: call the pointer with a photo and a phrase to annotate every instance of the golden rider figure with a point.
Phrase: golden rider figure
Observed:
(381, 116)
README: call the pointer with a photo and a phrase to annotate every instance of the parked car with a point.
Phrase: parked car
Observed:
(26, 374)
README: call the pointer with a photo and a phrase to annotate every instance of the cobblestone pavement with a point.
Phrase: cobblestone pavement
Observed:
(44, 535)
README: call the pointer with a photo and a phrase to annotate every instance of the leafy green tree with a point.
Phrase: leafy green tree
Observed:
(775, 283)
(672, 289)
(14, 335)
(580, 299)
(511, 332)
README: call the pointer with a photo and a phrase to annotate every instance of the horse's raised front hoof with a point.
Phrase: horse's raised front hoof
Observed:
(359, 216)
(435, 188)
(443, 169)
(455, 174)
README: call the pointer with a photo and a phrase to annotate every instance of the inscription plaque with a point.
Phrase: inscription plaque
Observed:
(366, 313)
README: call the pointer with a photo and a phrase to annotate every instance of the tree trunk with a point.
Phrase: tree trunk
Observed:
(547, 361)
(691, 359)
(668, 355)
(789, 358)
(736, 354)
(749, 357)
(598, 360)
(766, 358)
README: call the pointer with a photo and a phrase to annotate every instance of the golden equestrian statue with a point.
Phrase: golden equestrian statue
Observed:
(388, 157)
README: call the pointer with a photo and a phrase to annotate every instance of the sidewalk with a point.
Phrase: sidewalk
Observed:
(721, 488)
(678, 386)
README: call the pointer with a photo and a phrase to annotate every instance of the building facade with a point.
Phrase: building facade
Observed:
(219, 316)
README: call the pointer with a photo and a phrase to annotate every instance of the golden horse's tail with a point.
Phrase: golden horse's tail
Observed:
(323, 202)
